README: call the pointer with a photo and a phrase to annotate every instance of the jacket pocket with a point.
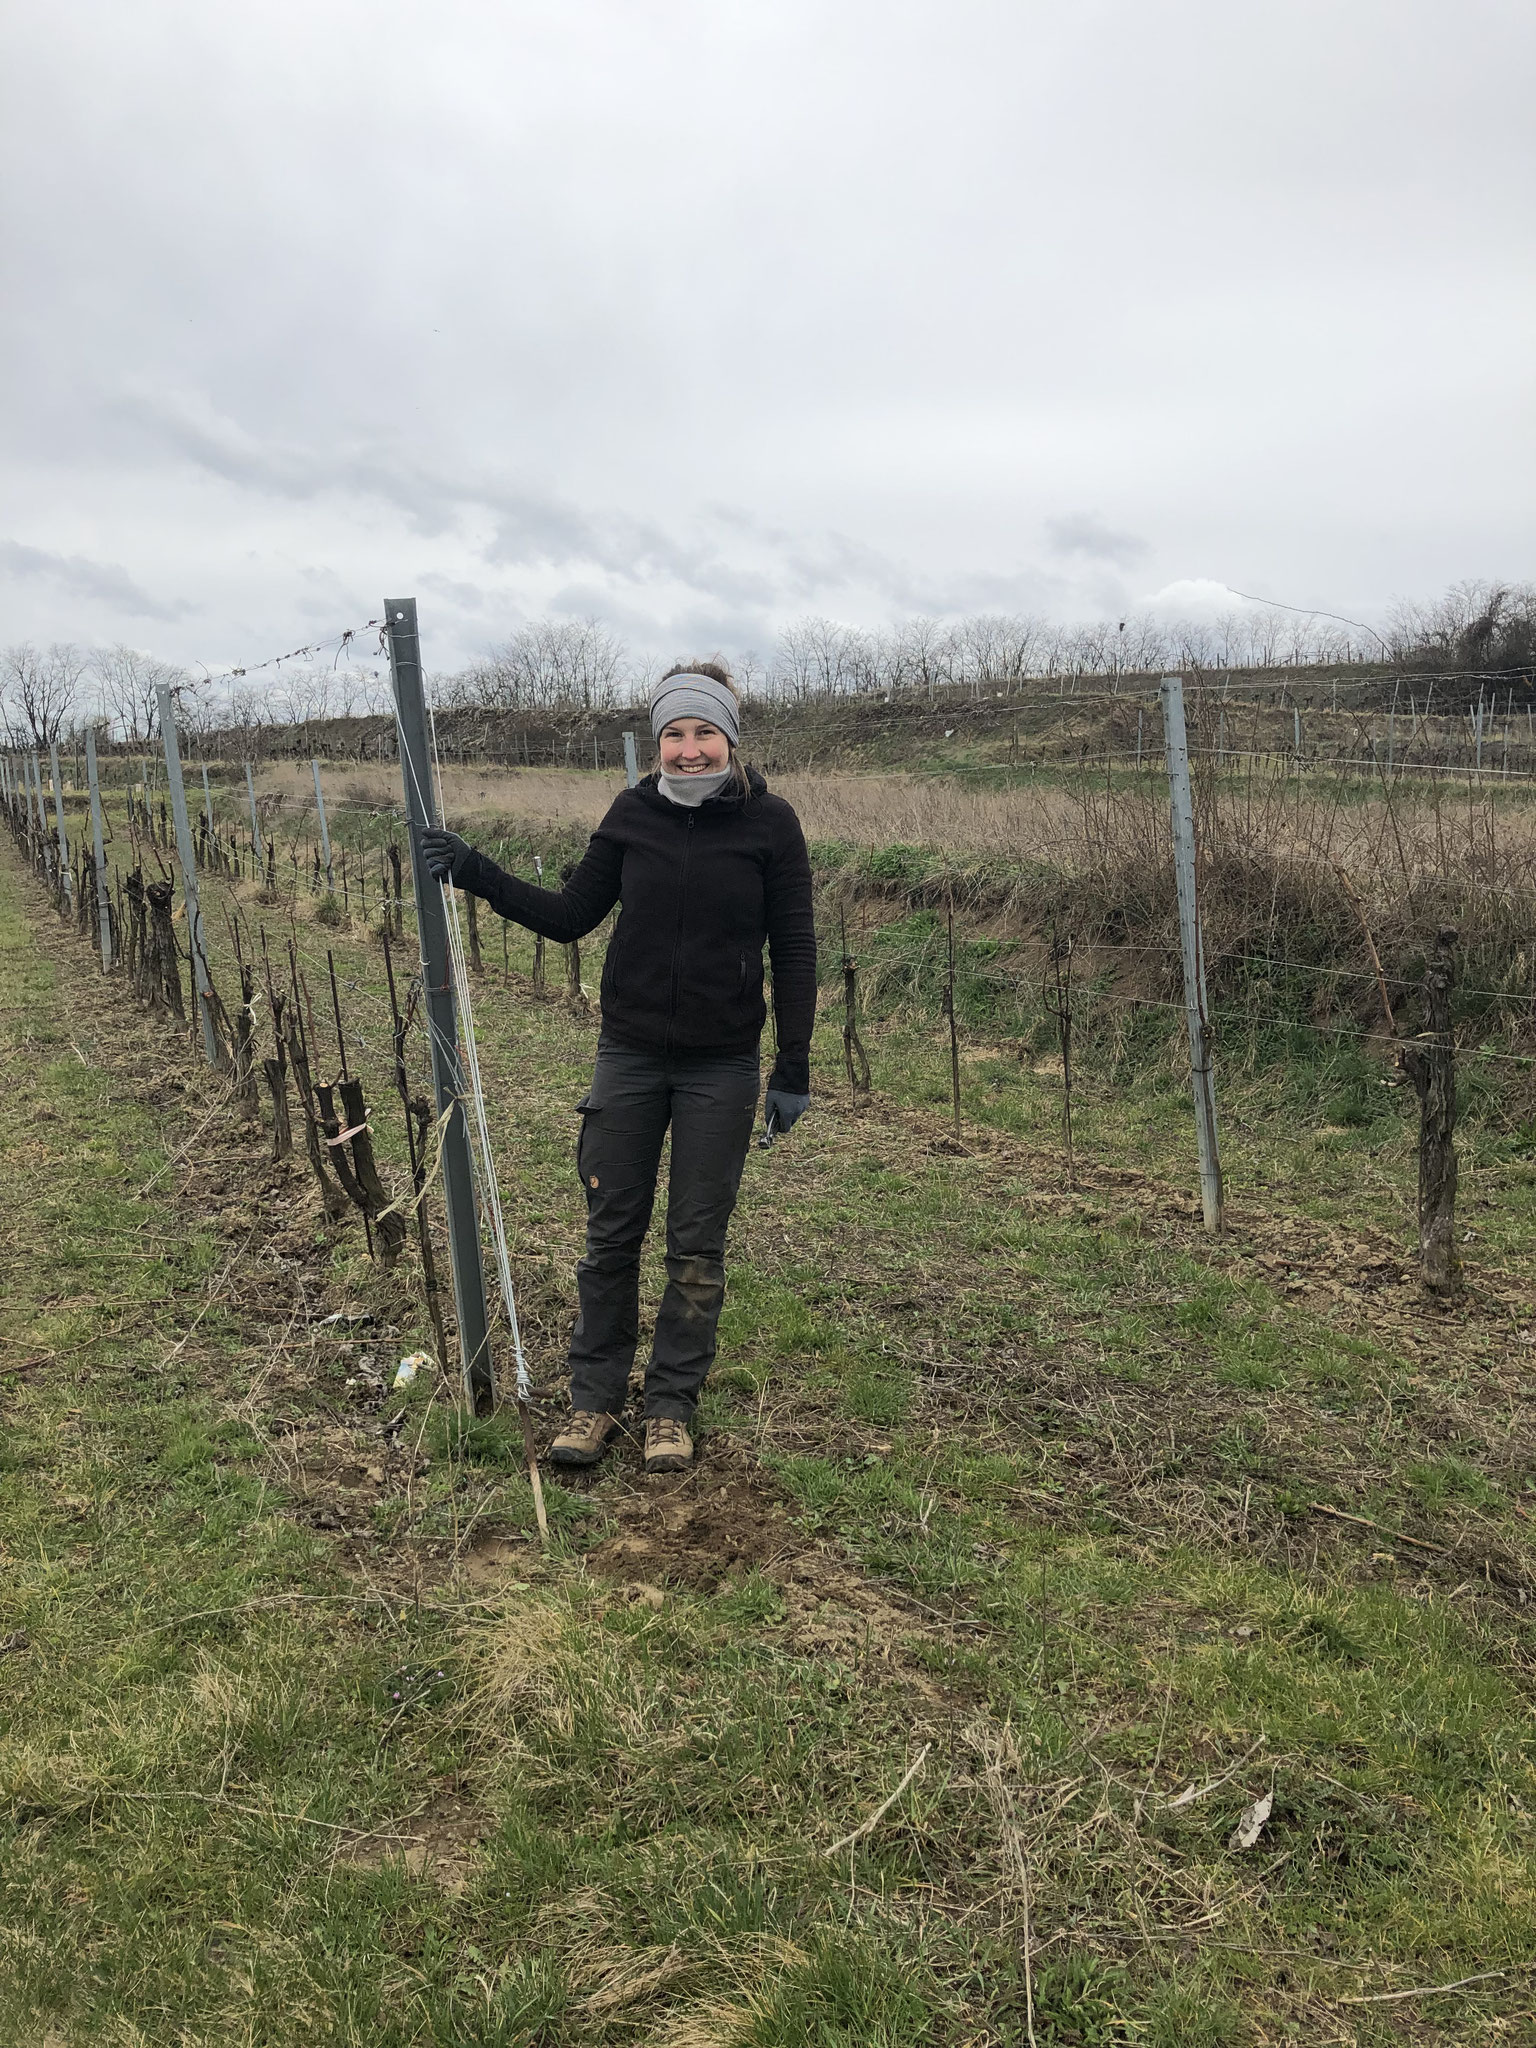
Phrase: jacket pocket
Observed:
(611, 959)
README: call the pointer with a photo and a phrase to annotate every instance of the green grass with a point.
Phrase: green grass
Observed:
(1047, 1465)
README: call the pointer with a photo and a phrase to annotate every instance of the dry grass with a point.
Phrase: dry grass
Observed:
(1291, 870)
(527, 1671)
(865, 810)
(1418, 831)
(539, 796)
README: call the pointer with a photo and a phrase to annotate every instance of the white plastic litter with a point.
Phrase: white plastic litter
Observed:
(1251, 1822)
(406, 1371)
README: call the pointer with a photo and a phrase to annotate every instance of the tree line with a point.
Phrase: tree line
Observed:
(582, 667)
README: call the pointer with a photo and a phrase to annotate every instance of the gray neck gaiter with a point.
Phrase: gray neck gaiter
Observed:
(692, 790)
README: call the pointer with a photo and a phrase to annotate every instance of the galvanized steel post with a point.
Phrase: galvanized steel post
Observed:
(67, 880)
(99, 851)
(35, 797)
(250, 790)
(188, 858)
(442, 1018)
(325, 836)
(631, 765)
(1181, 806)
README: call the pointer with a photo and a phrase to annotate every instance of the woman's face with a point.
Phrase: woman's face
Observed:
(692, 746)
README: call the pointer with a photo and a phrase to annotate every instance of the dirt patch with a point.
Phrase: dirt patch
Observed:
(720, 1523)
(491, 1554)
(441, 1844)
(713, 1527)
(834, 1611)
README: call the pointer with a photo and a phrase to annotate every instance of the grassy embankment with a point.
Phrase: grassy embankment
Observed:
(1026, 1473)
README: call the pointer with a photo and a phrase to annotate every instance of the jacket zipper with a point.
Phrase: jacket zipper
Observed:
(677, 944)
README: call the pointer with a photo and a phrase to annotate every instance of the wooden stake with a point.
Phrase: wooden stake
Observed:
(531, 1453)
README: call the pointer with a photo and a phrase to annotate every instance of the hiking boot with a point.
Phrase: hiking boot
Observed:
(668, 1446)
(584, 1438)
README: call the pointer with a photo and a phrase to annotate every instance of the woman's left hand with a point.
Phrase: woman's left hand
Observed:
(782, 1111)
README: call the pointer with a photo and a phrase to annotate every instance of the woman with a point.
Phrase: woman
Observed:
(705, 866)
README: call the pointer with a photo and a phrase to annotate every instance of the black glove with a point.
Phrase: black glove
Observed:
(445, 854)
(782, 1111)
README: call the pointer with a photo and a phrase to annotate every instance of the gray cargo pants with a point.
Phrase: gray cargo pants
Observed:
(710, 1100)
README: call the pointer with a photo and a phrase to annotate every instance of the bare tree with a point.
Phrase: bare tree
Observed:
(247, 708)
(794, 662)
(305, 694)
(817, 658)
(198, 710)
(345, 691)
(1145, 648)
(473, 688)
(38, 691)
(128, 682)
(922, 655)
(994, 649)
(1475, 625)
(373, 692)
(568, 662)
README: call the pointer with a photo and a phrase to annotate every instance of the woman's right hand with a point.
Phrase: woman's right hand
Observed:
(444, 853)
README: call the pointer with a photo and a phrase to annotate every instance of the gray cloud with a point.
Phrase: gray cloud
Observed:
(175, 426)
(476, 327)
(466, 597)
(1083, 533)
(102, 586)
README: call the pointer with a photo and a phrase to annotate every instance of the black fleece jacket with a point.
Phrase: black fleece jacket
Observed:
(699, 890)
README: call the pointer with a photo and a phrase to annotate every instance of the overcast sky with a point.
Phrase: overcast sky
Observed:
(697, 315)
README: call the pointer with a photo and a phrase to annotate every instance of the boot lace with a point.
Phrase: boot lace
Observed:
(584, 1424)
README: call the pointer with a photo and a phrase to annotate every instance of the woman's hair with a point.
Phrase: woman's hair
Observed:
(717, 673)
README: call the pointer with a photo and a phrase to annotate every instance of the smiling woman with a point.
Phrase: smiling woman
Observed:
(707, 868)
(698, 733)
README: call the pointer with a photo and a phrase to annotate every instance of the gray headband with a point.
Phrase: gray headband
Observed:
(695, 696)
